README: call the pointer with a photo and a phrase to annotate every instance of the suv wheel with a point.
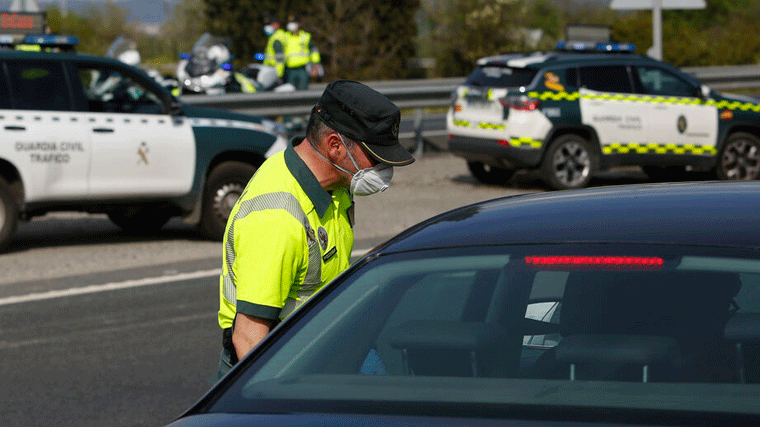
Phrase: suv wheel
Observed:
(569, 163)
(224, 186)
(488, 174)
(8, 214)
(740, 158)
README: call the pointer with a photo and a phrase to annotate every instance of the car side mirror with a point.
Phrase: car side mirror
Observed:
(175, 107)
(704, 91)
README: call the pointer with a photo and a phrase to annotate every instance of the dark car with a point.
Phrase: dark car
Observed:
(626, 305)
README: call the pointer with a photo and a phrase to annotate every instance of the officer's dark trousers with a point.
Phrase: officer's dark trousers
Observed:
(225, 363)
(298, 77)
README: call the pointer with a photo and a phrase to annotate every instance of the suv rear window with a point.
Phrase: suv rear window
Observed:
(501, 76)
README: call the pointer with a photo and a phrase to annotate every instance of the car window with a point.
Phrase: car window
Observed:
(5, 94)
(39, 85)
(606, 78)
(501, 76)
(656, 81)
(505, 325)
(110, 90)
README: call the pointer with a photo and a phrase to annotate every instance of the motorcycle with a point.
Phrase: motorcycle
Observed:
(208, 70)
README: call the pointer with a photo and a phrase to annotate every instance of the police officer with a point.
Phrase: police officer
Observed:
(300, 54)
(291, 231)
(274, 54)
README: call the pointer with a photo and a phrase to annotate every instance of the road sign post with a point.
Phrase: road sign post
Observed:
(657, 6)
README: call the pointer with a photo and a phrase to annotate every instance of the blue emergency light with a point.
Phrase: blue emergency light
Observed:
(595, 47)
(51, 40)
(259, 56)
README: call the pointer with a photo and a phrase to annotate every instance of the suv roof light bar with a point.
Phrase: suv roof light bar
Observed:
(592, 47)
(42, 40)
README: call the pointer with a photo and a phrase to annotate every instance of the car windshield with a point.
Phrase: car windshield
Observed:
(650, 327)
(501, 76)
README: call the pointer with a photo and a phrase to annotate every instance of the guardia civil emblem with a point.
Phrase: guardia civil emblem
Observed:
(322, 235)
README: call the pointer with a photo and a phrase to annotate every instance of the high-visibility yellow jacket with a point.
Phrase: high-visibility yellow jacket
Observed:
(285, 239)
(274, 55)
(299, 50)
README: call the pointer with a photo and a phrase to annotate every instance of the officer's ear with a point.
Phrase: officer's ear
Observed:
(334, 147)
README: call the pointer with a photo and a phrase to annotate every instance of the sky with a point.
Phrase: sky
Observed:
(146, 11)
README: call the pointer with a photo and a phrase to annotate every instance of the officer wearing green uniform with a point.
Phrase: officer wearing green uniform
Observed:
(291, 231)
(274, 54)
(300, 54)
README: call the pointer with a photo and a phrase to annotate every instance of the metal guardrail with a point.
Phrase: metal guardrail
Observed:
(407, 94)
(418, 94)
(728, 78)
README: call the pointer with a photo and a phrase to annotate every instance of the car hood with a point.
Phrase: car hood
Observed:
(194, 112)
(341, 420)
(739, 98)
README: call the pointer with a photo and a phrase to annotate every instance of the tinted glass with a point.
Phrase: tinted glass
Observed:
(110, 90)
(606, 78)
(39, 85)
(655, 81)
(5, 96)
(499, 76)
(627, 326)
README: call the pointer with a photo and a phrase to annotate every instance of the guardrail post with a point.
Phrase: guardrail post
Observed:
(419, 140)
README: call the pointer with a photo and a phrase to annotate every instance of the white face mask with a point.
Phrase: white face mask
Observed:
(292, 27)
(365, 181)
(269, 29)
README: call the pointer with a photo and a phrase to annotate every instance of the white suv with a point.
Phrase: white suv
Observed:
(93, 134)
(571, 114)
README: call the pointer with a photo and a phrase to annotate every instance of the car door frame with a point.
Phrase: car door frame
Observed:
(154, 184)
(47, 179)
(695, 111)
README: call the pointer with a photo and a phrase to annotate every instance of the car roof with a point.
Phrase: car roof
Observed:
(700, 213)
(10, 54)
(562, 58)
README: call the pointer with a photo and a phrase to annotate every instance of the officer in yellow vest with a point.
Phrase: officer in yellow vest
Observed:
(300, 54)
(291, 231)
(274, 54)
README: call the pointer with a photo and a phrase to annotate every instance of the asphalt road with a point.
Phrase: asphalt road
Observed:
(101, 328)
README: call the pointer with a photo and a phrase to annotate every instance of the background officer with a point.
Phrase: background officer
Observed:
(300, 55)
(291, 231)
(274, 54)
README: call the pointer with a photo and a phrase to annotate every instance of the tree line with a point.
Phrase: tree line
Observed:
(379, 39)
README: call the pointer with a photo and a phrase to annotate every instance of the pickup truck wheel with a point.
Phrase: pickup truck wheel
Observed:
(224, 186)
(140, 220)
(740, 158)
(569, 163)
(8, 214)
(488, 174)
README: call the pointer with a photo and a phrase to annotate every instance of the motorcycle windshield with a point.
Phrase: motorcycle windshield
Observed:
(205, 41)
(119, 46)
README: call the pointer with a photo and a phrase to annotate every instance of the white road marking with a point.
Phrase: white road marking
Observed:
(87, 333)
(115, 286)
(40, 296)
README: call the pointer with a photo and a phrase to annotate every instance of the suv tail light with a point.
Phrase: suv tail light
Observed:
(523, 103)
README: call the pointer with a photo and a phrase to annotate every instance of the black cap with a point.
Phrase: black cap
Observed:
(366, 116)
